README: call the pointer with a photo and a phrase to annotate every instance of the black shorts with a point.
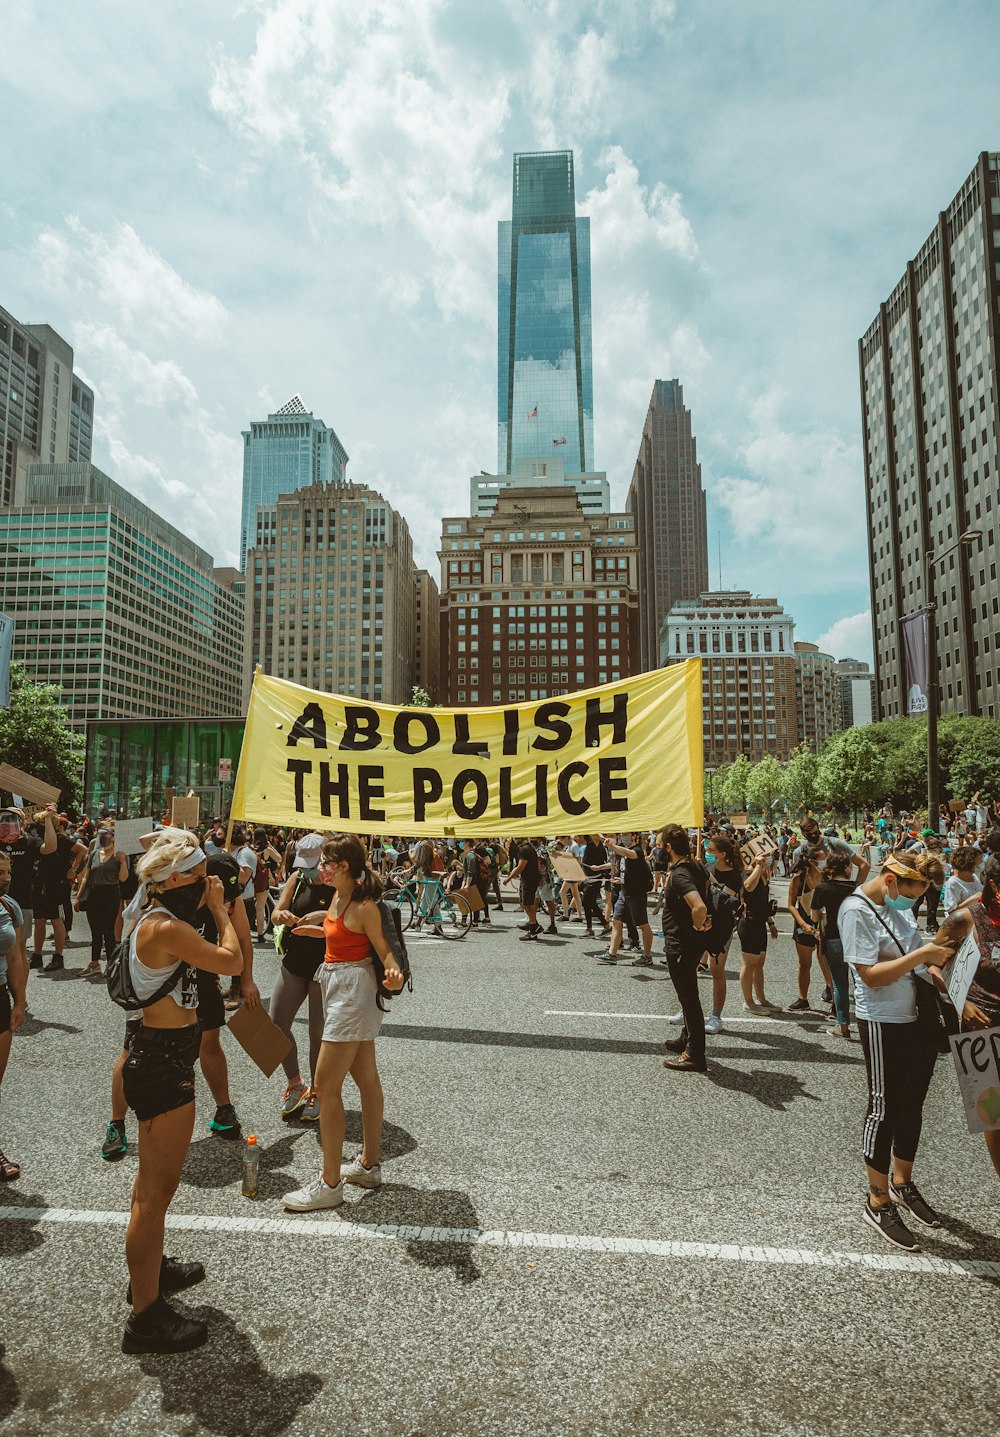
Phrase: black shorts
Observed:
(47, 902)
(158, 1075)
(5, 1008)
(803, 939)
(528, 893)
(211, 1008)
(132, 1026)
(752, 935)
(635, 903)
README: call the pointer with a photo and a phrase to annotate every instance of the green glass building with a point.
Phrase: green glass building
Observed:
(133, 765)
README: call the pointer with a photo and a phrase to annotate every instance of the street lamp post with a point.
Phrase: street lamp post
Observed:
(931, 560)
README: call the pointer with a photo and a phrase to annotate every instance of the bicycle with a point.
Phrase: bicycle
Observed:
(421, 900)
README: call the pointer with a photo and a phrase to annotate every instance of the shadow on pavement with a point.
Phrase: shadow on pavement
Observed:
(20, 1235)
(982, 1246)
(252, 1400)
(773, 1090)
(396, 1141)
(424, 1207)
(218, 1163)
(10, 1391)
(32, 1026)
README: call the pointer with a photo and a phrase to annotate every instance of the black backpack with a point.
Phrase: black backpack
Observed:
(725, 910)
(392, 928)
(120, 988)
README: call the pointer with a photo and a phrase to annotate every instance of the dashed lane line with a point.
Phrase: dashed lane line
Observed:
(335, 1227)
(664, 1018)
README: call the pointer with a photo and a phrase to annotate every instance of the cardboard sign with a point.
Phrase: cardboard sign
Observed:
(569, 867)
(12, 780)
(128, 831)
(959, 971)
(977, 1064)
(185, 812)
(740, 820)
(758, 847)
(259, 1037)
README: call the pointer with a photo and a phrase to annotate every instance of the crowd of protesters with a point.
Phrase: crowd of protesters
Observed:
(191, 907)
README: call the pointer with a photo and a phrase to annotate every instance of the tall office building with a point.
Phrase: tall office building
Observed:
(930, 405)
(331, 594)
(289, 450)
(668, 502)
(817, 696)
(545, 382)
(539, 598)
(113, 604)
(428, 635)
(857, 693)
(46, 411)
(746, 646)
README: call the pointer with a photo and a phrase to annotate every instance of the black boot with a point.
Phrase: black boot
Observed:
(162, 1329)
(175, 1275)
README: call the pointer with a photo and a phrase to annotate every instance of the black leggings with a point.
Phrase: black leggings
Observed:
(592, 903)
(102, 913)
(900, 1062)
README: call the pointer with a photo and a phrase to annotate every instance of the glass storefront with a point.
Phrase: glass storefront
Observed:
(134, 766)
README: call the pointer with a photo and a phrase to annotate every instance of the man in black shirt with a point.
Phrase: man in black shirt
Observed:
(529, 873)
(596, 862)
(55, 866)
(24, 850)
(685, 921)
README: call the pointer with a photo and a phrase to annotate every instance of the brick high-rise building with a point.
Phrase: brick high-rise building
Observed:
(331, 594)
(46, 411)
(538, 598)
(817, 696)
(668, 502)
(746, 646)
(930, 404)
(428, 630)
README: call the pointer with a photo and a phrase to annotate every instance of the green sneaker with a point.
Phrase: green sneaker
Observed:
(116, 1143)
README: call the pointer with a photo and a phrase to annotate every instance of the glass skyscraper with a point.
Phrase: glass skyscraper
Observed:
(545, 381)
(287, 451)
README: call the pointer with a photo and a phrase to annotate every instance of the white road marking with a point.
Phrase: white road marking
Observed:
(663, 1018)
(336, 1227)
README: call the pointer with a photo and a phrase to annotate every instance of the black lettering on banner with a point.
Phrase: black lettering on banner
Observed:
(361, 727)
(508, 808)
(609, 786)
(310, 724)
(567, 802)
(401, 731)
(463, 744)
(552, 716)
(370, 786)
(475, 778)
(542, 789)
(427, 789)
(329, 788)
(510, 730)
(618, 718)
(300, 767)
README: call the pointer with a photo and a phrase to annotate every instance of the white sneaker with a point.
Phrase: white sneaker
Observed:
(313, 1196)
(677, 1018)
(713, 1024)
(363, 1177)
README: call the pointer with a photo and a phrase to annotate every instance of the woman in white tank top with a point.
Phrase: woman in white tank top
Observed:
(158, 1075)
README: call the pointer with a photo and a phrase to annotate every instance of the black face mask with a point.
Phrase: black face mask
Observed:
(184, 902)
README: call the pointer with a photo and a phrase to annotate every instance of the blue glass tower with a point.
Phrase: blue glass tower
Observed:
(283, 453)
(545, 377)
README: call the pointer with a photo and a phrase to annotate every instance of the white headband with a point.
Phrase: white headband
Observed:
(190, 860)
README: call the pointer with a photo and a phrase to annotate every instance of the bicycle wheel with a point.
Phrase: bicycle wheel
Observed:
(454, 915)
(403, 904)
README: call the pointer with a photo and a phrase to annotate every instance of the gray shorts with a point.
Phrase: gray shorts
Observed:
(350, 1012)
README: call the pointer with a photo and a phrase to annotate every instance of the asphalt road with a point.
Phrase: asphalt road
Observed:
(571, 1239)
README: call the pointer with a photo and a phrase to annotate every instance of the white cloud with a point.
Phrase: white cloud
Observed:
(627, 215)
(124, 373)
(850, 637)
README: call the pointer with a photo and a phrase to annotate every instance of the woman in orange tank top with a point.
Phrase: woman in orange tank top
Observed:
(352, 927)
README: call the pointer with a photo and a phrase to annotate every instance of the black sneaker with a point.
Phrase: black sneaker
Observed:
(115, 1143)
(225, 1122)
(175, 1275)
(552, 929)
(35, 962)
(887, 1221)
(161, 1329)
(532, 932)
(642, 962)
(907, 1195)
(801, 1005)
(826, 996)
(608, 958)
(55, 964)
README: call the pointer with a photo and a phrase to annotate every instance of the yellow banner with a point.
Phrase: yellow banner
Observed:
(623, 756)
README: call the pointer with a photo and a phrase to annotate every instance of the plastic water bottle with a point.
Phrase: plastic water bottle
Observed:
(251, 1167)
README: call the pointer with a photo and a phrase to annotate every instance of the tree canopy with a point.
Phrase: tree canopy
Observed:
(35, 735)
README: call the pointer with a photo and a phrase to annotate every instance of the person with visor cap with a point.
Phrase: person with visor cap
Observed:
(307, 889)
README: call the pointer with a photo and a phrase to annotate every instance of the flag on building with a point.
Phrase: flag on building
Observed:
(534, 413)
(559, 441)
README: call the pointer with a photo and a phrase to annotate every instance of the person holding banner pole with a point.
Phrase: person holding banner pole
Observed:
(981, 1009)
(686, 920)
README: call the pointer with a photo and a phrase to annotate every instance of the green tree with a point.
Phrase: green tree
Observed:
(734, 785)
(765, 785)
(714, 786)
(419, 698)
(852, 770)
(36, 737)
(970, 750)
(801, 776)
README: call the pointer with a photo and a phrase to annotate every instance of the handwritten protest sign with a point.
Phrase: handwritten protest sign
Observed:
(958, 971)
(128, 831)
(186, 811)
(977, 1063)
(12, 780)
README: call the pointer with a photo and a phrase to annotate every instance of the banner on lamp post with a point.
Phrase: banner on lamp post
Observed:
(917, 668)
(6, 648)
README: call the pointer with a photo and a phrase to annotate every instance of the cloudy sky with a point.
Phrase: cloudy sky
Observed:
(221, 204)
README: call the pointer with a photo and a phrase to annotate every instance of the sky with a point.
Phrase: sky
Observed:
(221, 205)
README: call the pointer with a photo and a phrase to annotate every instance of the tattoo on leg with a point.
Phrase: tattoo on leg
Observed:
(876, 1191)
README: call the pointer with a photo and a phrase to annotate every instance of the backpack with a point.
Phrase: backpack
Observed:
(120, 988)
(392, 928)
(485, 872)
(725, 910)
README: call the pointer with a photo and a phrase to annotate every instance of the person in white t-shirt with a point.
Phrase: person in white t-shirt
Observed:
(962, 883)
(882, 947)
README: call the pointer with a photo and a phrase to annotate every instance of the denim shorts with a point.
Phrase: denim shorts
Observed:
(159, 1071)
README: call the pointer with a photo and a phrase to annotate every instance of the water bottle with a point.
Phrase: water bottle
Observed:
(251, 1167)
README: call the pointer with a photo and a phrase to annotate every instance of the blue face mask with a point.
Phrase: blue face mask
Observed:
(310, 874)
(710, 859)
(900, 903)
